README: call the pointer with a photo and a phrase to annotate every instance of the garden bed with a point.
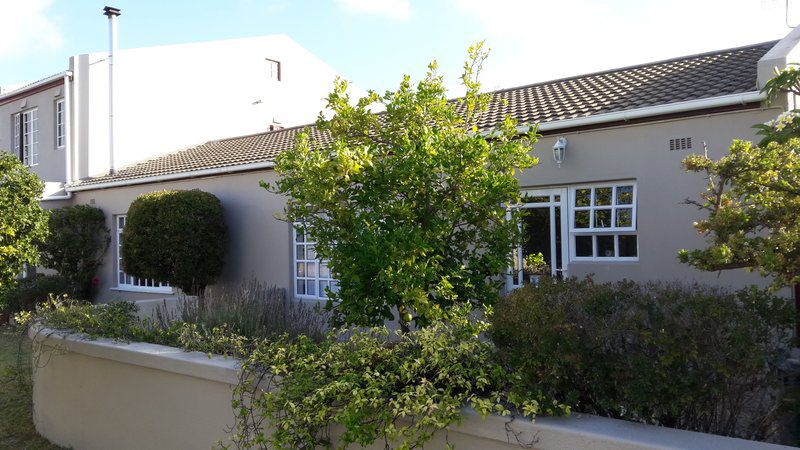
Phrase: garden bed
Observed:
(102, 393)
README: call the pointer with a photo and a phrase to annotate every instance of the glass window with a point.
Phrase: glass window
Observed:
(603, 221)
(273, 70)
(60, 125)
(26, 137)
(313, 277)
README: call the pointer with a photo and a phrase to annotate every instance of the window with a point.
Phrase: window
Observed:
(312, 276)
(60, 130)
(603, 222)
(131, 283)
(273, 70)
(26, 137)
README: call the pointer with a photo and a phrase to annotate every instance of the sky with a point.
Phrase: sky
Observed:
(373, 43)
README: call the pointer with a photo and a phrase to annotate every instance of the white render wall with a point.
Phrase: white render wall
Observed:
(105, 394)
(172, 97)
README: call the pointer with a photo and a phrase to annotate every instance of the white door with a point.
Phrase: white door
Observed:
(544, 230)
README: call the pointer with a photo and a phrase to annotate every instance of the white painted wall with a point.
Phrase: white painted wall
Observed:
(176, 96)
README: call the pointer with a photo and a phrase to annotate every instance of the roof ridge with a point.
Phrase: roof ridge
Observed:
(632, 67)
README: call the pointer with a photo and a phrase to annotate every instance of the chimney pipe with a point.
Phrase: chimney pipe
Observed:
(112, 14)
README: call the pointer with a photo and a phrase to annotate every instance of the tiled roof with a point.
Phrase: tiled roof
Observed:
(694, 77)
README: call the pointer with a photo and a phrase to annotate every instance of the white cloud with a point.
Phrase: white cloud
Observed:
(539, 40)
(393, 9)
(26, 27)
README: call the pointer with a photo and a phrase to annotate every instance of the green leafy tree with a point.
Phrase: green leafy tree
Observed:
(408, 205)
(175, 237)
(76, 245)
(23, 222)
(753, 198)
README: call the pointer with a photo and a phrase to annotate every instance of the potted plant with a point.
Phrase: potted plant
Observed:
(534, 266)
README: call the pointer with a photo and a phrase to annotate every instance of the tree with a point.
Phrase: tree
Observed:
(753, 198)
(23, 222)
(77, 243)
(408, 205)
(175, 237)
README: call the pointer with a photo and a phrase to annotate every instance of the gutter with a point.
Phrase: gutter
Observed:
(23, 89)
(650, 111)
(175, 176)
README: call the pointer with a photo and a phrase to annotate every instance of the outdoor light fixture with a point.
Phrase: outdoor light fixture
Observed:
(559, 149)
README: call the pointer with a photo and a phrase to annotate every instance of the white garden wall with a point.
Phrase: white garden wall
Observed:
(102, 394)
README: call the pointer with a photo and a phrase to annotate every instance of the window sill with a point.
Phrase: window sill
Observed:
(150, 290)
(604, 260)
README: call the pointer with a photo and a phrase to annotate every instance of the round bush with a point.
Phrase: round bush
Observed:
(175, 237)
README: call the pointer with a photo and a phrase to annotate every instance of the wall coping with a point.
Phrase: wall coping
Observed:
(576, 431)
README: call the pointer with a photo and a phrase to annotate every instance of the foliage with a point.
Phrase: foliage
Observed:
(23, 223)
(408, 205)
(753, 202)
(398, 388)
(76, 245)
(534, 263)
(29, 292)
(753, 198)
(175, 237)
(253, 310)
(683, 356)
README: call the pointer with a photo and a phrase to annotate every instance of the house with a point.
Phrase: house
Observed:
(164, 98)
(612, 206)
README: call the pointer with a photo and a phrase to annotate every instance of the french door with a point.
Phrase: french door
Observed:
(544, 230)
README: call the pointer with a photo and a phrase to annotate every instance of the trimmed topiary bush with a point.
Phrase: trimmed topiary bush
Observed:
(175, 237)
(684, 356)
(76, 245)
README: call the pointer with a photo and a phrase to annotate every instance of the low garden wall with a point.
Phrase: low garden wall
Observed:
(101, 394)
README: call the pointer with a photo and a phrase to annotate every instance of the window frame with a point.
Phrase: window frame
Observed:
(594, 231)
(19, 136)
(276, 75)
(60, 131)
(162, 288)
(318, 296)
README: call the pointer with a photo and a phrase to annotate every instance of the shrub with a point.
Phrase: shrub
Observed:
(255, 310)
(684, 356)
(29, 292)
(23, 223)
(76, 245)
(175, 237)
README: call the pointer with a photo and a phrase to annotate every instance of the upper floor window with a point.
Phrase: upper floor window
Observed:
(26, 136)
(602, 222)
(312, 276)
(273, 70)
(128, 282)
(60, 124)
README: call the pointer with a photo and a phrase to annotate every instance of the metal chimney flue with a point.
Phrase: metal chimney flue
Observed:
(112, 14)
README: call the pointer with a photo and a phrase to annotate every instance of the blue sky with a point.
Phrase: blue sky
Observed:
(373, 42)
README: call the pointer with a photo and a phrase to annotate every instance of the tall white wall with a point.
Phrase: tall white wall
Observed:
(172, 97)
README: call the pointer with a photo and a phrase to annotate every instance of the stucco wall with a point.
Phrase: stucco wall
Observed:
(260, 245)
(104, 394)
(51, 158)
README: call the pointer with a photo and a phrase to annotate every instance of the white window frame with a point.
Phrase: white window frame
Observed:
(603, 231)
(26, 140)
(131, 283)
(273, 69)
(60, 125)
(304, 259)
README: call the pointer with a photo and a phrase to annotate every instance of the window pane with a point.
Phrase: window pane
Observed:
(602, 196)
(311, 269)
(627, 245)
(301, 252)
(299, 236)
(301, 287)
(312, 253)
(323, 285)
(624, 217)
(311, 288)
(582, 219)
(602, 218)
(583, 246)
(301, 269)
(535, 198)
(605, 246)
(334, 286)
(557, 198)
(324, 272)
(624, 195)
(583, 197)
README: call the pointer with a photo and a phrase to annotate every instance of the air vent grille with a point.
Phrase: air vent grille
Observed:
(684, 143)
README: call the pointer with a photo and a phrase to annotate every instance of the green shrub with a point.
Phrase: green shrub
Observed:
(77, 243)
(175, 237)
(684, 356)
(29, 292)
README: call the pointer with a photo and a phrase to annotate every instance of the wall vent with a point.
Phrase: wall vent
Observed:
(684, 143)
